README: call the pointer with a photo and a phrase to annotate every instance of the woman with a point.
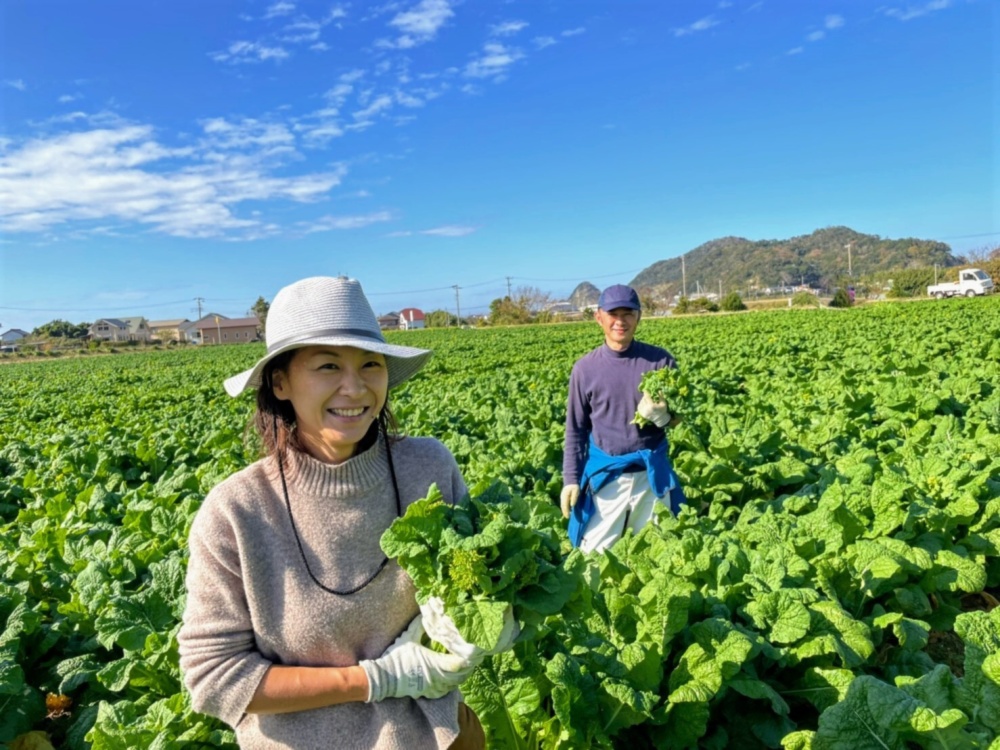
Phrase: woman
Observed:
(298, 632)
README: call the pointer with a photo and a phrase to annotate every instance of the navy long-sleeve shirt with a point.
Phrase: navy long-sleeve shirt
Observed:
(603, 396)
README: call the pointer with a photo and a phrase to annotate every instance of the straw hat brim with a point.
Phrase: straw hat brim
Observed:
(403, 362)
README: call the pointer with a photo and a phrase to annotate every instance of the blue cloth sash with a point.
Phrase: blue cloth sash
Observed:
(602, 468)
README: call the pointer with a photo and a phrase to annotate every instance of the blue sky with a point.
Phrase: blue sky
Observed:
(154, 152)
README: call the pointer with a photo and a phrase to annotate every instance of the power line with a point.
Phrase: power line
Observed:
(92, 309)
(970, 236)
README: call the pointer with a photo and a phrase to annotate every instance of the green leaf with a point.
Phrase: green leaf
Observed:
(480, 622)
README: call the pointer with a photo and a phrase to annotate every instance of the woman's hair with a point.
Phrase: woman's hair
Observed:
(274, 419)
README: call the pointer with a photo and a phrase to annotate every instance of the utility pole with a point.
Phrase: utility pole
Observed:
(720, 290)
(684, 279)
(200, 301)
(508, 285)
(935, 274)
(849, 269)
(458, 308)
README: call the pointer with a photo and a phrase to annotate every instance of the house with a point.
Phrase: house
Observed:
(12, 335)
(189, 333)
(167, 330)
(134, 328)
(410, 318)
(216, 329)
(389, 321)
(561, 307)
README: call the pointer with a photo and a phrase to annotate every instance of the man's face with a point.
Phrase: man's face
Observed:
(619, 326)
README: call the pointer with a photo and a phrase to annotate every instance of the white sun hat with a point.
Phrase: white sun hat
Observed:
(327, 311)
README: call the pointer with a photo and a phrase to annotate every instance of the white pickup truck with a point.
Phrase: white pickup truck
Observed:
(971, 281)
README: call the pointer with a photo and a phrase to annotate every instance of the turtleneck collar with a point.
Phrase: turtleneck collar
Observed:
(355, 476)
(623, 354)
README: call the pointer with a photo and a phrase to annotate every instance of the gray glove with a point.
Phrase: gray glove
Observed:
(408, 670)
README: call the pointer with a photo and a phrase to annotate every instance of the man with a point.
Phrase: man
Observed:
(615, 472)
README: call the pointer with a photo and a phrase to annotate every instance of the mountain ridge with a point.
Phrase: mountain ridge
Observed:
(825, 257)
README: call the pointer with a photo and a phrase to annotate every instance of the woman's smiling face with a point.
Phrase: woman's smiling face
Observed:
(337, 392)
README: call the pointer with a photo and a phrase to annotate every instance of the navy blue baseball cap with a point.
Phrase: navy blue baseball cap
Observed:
(619, 295)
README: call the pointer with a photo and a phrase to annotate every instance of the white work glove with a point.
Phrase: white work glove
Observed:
(567, 499)
(441, 628)
(655, 412)
(409, 670)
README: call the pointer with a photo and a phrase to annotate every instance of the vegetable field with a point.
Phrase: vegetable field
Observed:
(831, 585)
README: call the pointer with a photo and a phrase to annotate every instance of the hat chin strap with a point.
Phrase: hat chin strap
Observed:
(325, 333)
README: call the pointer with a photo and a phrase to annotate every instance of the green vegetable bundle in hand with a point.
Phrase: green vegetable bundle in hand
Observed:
(481, 557)
(668, 389)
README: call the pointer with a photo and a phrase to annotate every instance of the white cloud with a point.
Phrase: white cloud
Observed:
(281, 8)
(67, 98)
(328, 223)
(541, 42)
(407, 99)
(911, 12)
(815, 36)
(303, 30)
(16, 83)
(125, 175)
(321, 133)
(507, 28)
(378, 105)
(701, 24)
(833, 22)
(725, 4)
(269, 138)
(451, 230)
(493, 62)
(249, 52)
(336, 12)
(319, 46)
(795, 51)
(419, 24)
(574, 32)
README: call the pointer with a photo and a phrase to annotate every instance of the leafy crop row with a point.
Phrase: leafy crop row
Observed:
(828, 588)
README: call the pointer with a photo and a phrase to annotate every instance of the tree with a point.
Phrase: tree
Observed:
(62, 329)
(260, 308)
(979, 255)
(532, 299)
(686, 305)
(527, 304)
(505, 311)
(166, 335)
(841, 298)
(911, 282)
(733, 302)
(439, 319)
(650, 304)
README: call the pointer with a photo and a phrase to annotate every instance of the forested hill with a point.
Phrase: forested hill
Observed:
(819, 258)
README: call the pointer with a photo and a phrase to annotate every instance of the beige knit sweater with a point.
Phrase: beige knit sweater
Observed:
(251, 602)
